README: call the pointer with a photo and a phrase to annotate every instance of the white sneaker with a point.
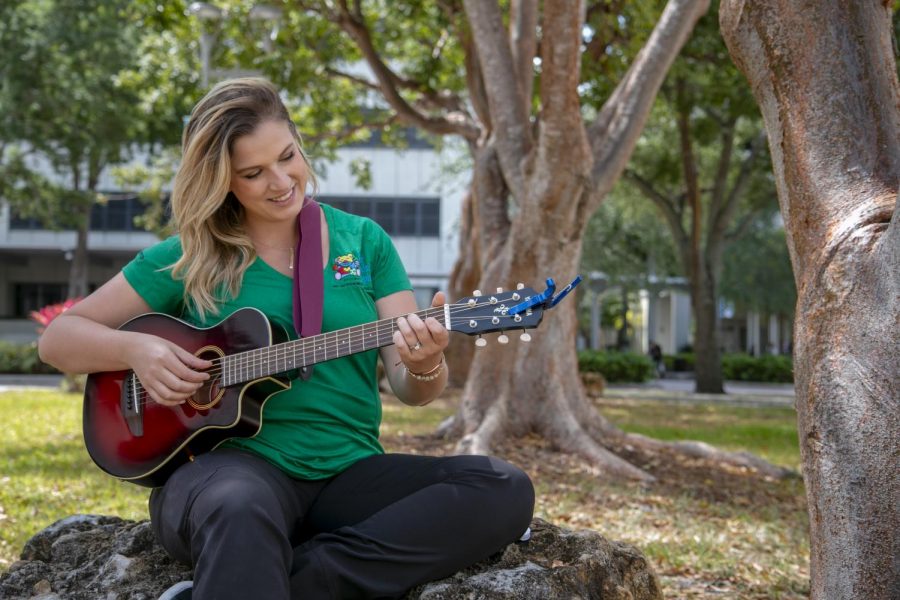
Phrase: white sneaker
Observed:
(179, 591)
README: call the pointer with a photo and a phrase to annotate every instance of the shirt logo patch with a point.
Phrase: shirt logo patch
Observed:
(346, 265)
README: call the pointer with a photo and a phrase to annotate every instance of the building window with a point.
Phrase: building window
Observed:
(34, 296)
(413, 217)
(117, 214)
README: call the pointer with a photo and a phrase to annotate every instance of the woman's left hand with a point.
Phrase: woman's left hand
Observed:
(421, 343)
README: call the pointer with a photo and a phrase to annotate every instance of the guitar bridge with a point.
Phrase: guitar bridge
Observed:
(132, 405)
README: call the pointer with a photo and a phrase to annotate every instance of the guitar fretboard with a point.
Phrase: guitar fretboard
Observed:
(279, 358)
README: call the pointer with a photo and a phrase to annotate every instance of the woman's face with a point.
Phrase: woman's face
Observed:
(268, 174)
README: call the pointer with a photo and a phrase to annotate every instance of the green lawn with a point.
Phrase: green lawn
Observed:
(768, 432)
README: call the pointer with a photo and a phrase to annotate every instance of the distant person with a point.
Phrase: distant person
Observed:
(656, 356)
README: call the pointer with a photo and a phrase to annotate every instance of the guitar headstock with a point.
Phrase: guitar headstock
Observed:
(488, 313)
(504, 311)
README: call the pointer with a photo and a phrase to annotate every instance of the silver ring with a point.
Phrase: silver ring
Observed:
(416, 347)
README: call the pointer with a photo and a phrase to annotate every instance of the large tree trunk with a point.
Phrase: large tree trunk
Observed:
(825, 77)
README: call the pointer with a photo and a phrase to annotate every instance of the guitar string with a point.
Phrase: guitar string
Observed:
(308, 347)
(265, 354)
(143, 395)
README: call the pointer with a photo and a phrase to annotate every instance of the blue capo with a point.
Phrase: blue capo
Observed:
(545, 299)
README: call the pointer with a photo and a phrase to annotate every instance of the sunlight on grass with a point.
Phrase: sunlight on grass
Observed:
(770, 432)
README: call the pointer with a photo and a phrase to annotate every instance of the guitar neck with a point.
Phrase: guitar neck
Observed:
(295, 354)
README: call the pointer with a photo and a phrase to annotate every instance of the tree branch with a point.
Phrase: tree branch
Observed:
(561, 132)
(615, 132)
(346, 132)
(724, 211)
(510, 121)
(475, 84)
(353, 23)
(672, 215)
(523, 41)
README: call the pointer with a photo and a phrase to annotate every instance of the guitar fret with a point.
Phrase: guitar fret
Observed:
(281, 358)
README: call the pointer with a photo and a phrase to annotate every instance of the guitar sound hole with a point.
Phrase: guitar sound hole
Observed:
(211, 393)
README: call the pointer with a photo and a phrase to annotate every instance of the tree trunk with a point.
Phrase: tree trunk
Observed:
(825, 77)
(78, 272)
(707, 356)
(463, 281)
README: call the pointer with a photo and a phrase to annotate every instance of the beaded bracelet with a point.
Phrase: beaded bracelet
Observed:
(429, 375)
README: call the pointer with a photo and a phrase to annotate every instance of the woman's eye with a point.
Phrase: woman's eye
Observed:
(252, 176)
(287, 157)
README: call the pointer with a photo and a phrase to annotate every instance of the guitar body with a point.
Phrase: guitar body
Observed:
(133, 438)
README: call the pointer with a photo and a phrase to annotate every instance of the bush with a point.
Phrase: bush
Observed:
(683, 361)
(768, 368)
(616, 367)
(22, 358)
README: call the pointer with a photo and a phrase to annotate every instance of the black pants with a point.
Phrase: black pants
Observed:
(386, 524)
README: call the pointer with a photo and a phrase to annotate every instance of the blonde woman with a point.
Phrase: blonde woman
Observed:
(311, 507)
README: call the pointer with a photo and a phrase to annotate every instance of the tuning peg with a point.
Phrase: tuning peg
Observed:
(499, 290)
(481, 342)
(503, 339)
(525, 337)
(520, 286)
(477, 293)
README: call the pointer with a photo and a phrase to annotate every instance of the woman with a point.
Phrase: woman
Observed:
(311, 507)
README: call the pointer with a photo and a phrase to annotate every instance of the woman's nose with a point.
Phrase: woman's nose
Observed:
(280, 180)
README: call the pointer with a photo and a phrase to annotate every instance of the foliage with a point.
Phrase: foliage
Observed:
(627, 241)
(767, 368)
(681, 361)
(616, 367)
(741, 367)
(83, 109)
(22, 359)
(758, 274)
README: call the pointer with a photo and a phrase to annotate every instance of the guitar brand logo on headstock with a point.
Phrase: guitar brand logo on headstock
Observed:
(502, 309)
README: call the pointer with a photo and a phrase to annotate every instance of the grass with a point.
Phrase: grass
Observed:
(45, 472)
(709, 533)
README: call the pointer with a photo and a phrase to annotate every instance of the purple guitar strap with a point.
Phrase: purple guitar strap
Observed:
(308, 278)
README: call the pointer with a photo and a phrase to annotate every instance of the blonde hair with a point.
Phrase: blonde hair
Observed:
(208, 217)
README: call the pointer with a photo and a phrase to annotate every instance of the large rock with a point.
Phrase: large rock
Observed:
(98, 557)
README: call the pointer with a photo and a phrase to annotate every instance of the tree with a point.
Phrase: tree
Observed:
(825, 76)
(712, 184)
(66, 102)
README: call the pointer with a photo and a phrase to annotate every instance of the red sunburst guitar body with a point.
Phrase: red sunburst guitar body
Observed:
(161, 438)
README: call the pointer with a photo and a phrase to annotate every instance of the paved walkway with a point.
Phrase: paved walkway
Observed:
(741, 393)
(23, 382)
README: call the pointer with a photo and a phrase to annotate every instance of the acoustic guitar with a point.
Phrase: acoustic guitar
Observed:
(135, 439)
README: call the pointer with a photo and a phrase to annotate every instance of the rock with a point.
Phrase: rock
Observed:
(92, 557)
(89, 557)
(554, 563)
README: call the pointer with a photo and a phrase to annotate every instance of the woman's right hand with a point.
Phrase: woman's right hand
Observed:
(169, 373)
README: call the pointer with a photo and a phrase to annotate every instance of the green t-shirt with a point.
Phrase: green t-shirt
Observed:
(319, 427)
